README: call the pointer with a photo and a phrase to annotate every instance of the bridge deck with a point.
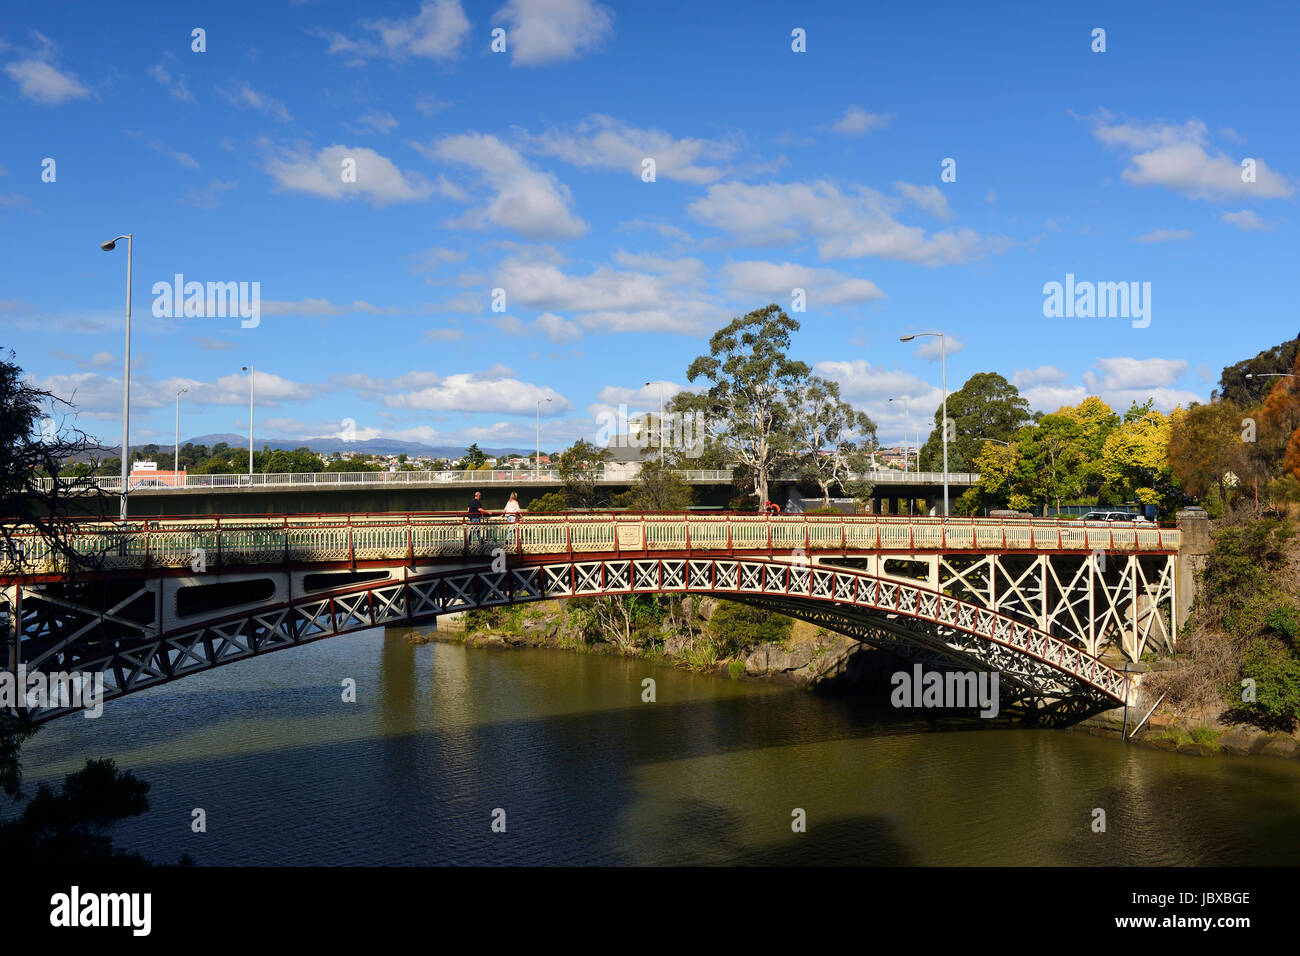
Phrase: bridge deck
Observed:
(309, 539)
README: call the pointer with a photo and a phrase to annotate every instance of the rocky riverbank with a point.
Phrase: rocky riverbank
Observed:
(809, 657)
(1163, 732)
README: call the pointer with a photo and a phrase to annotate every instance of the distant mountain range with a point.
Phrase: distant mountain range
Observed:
(327, 446)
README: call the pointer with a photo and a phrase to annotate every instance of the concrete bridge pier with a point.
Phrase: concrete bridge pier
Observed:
(1194, 546)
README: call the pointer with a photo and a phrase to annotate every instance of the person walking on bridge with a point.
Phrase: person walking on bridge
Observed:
(475, 516)
(512, 516)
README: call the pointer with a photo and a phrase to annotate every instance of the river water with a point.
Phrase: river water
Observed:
(443, 739)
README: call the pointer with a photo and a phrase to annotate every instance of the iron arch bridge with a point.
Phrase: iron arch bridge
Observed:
(1054, 607)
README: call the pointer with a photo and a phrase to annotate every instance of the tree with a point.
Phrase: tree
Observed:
(657, 488)
(1248, 392)
(67, 828)
(580, 467)
(350, 464)
(1052, 459)
(552, 501)
(35, 445)
(473, 457)
(832, 437)
(986, 406)
(753, 382)
(1205, 446)
(1135, 458)
(280, 461)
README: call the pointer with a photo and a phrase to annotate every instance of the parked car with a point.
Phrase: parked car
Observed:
(1114, 516)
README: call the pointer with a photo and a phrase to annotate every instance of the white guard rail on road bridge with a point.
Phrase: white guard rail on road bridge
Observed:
(228, 542)
(334, 480)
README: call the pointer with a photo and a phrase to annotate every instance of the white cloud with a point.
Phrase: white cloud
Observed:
(437, 32)
(100, 396)
(539, 32)
(444, 335)
(1043, 375)
(175, 86)
(1130, 373)
(378, 180)
(860, 381)
(856, 120)
(430, 259)
(1165, 235)
(847, 224)
(318, 307)
(206, 197)
(244, 96)
(1248, 221)
(42, 83)
(556, 328)
(929, 348)
(606, 143)
(479, 392)
(1176, 157)
(608, 299)
(528, 201)
(382, 123)
(929, 198)
(775, 280)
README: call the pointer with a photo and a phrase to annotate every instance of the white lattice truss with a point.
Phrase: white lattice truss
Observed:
(1044, 621)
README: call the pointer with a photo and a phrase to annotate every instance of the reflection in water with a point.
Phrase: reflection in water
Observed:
(440, 736)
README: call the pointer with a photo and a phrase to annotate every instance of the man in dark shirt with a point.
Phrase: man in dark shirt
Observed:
(475, 515)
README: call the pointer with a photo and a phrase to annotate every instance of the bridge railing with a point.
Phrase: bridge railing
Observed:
(335, 480)
(330, 480)
(301, 539)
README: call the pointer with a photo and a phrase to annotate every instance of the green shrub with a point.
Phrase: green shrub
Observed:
(736, 670)
(734, 627)
(548, 503)
(1276, 672)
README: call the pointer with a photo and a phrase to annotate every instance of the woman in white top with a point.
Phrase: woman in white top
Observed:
(512, 514)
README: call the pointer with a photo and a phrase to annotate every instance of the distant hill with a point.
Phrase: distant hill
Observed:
(371, 446)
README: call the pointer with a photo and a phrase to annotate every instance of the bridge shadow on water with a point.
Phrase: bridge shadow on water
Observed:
(617, 785)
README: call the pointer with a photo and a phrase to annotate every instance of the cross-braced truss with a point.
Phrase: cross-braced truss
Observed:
(1041, 621)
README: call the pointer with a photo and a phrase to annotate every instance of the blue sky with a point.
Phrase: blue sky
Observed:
(522, 171)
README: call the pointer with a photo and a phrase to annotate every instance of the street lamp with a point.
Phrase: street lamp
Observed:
(943, 359)
(907, 427)
(176, 459)
(109, 246)
(537, 462)
(252, 376)
(661, 420)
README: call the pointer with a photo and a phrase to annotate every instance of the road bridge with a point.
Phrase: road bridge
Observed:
(367, 491)
(1055, 607)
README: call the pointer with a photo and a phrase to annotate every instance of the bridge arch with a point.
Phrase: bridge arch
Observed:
(905, 616)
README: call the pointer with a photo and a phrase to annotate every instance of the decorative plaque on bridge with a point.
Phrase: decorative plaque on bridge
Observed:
(631, 537)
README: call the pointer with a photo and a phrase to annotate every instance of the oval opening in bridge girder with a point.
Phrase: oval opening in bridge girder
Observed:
(206, 598)
(338, 579)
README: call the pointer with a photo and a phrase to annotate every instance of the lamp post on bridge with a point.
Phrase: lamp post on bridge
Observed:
(661, 420)
(109, 246)
(943, 364)
(907, 427)
(176, 457)
(252, 376)
(537, 462)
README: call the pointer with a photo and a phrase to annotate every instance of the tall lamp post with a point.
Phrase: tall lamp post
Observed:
(907, 427)
(176, 458)
(537, 462)
(126, 374)
(661, 420)
(943, 360)
(252, 376)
